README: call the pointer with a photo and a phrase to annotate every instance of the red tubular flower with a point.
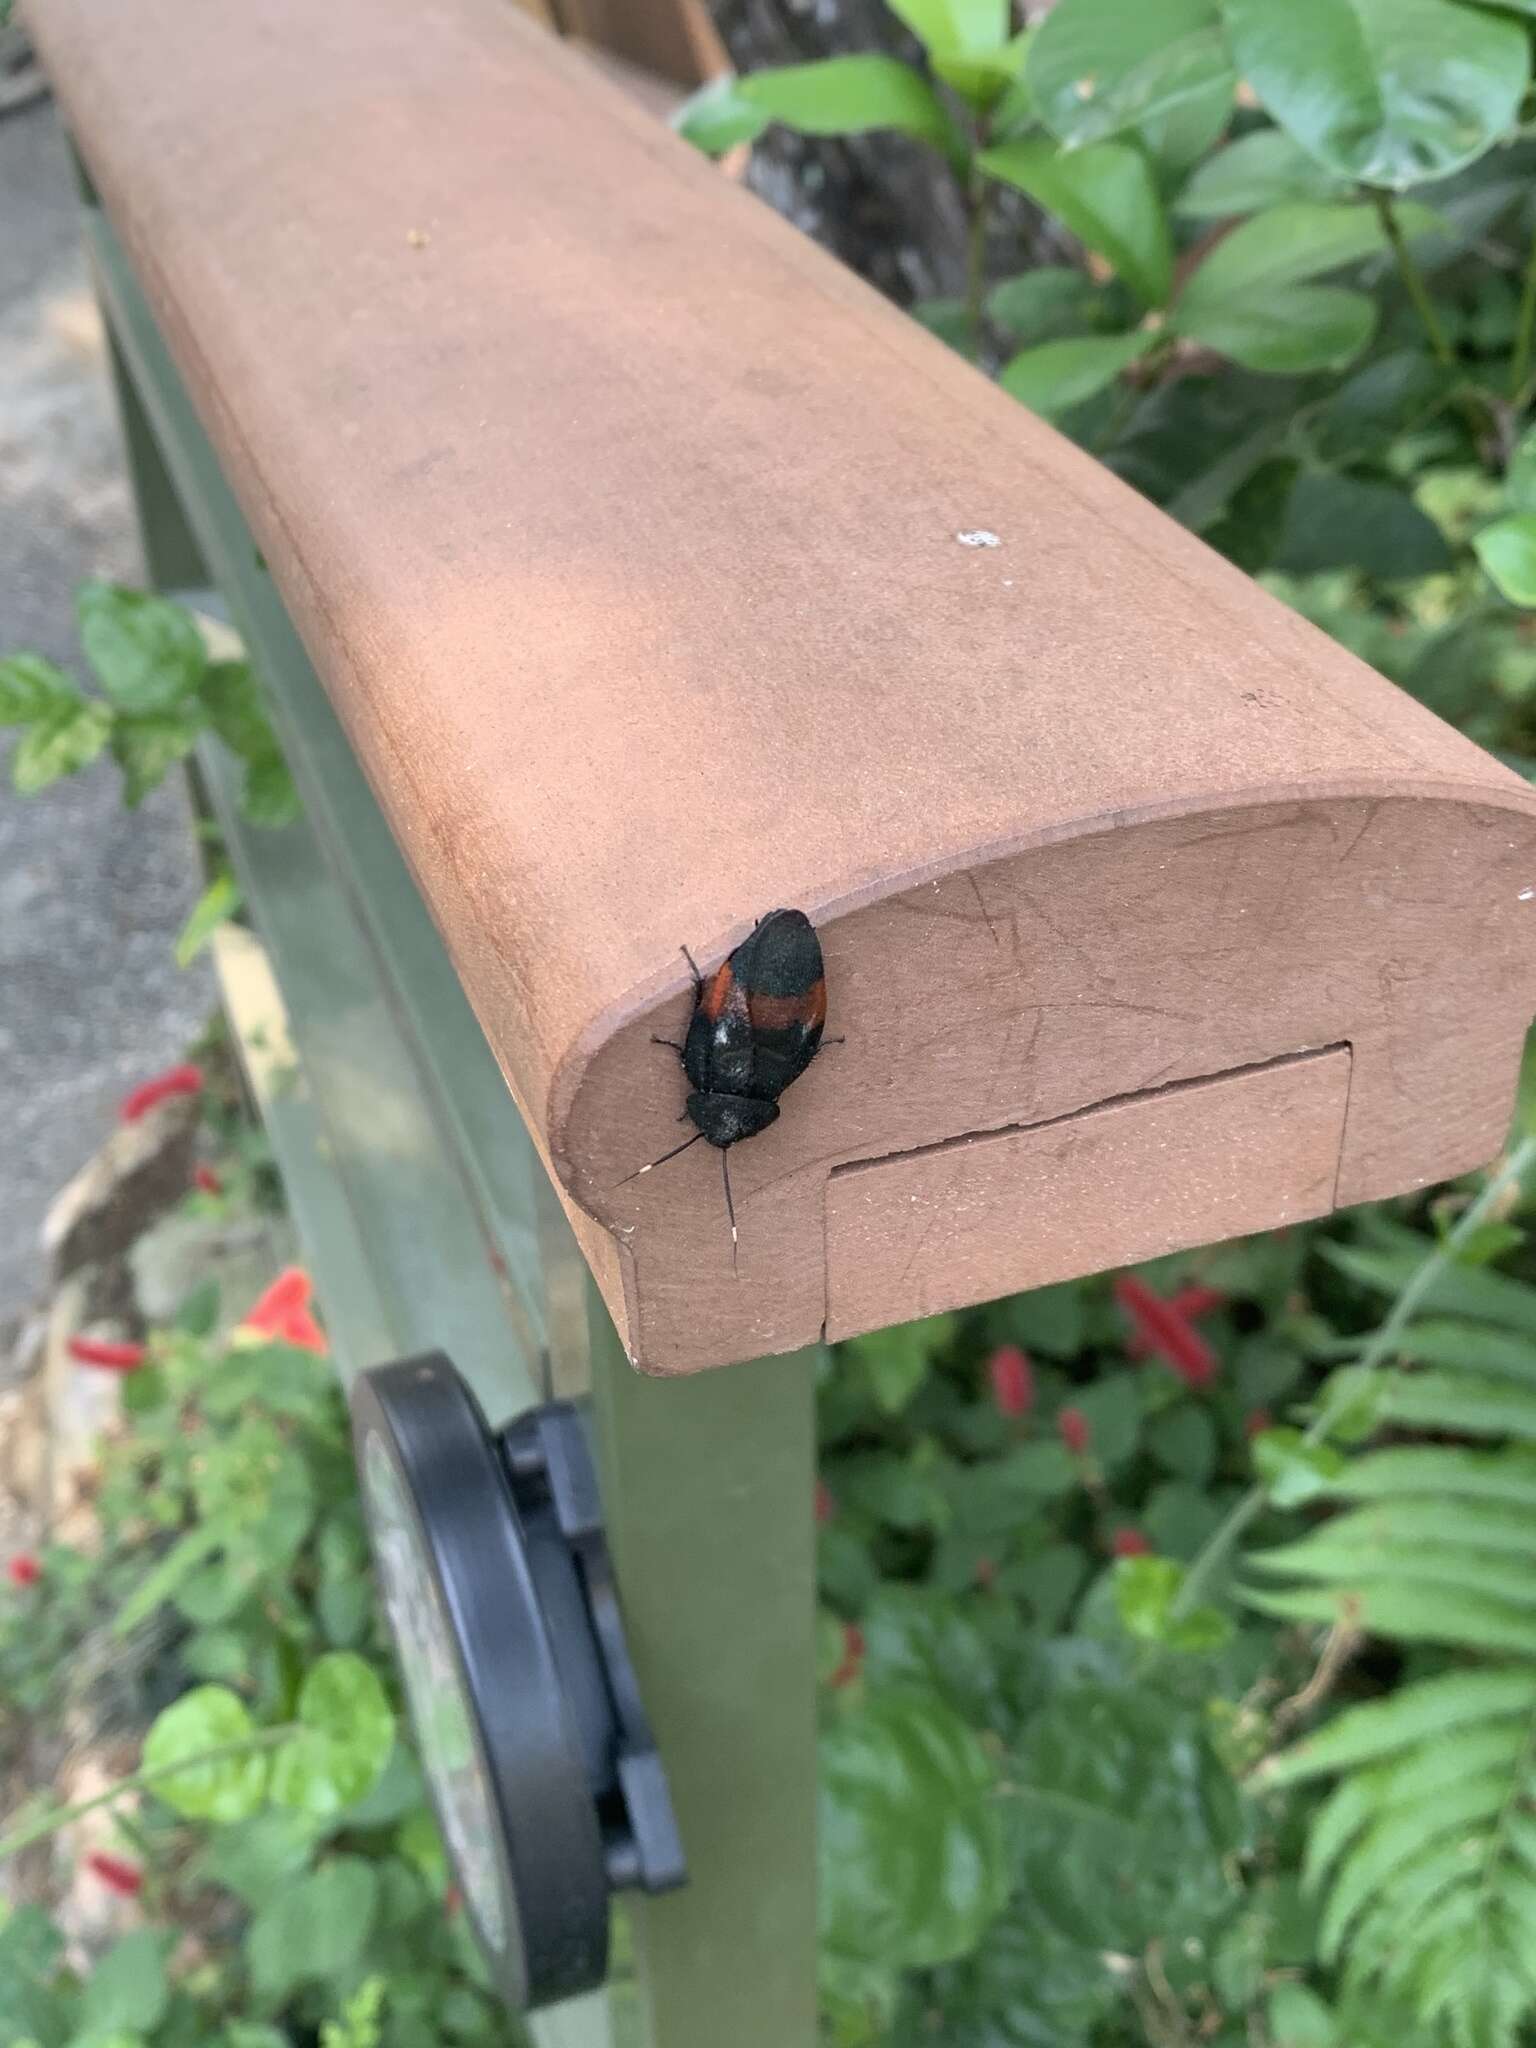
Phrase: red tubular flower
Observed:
(853, 1656)
(1013, 1381)
(186, 1079)
(283, 1313)
(116, 1873)
(1191, 1302)
(24, 1569)
(1072, 1424)
(105, 1355)
(205, 1180)
(826, 1506)
(453, 1901)
(1130, 1543)
(1166, 1331)
(1256, 1421)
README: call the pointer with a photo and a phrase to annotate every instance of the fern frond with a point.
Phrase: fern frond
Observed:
(1408, 1614)
(1469, 1347)
(1469, 1291)
(1437, 1471)
(1458, 1702)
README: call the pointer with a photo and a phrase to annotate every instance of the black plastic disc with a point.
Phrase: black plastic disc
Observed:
(467, 1598)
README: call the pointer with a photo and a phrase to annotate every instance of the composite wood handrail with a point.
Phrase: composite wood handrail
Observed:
(661, 573)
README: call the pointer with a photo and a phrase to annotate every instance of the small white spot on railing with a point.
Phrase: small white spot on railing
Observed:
(978, 537)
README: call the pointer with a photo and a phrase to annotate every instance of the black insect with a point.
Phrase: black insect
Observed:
(756, 1026)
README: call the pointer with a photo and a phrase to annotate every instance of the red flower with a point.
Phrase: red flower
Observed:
(1013, 1381)
(183, 1080)
(1192, 1302)
(24, 1569)
(453, 1901)
(1130, 1543)
(116, 1873)
(985, 1573)
(1256, 1421)
(853, 1656)
(1075, 1433)
(826, 1506)
(1166, 1331)
(106, 1355)
(206, 1180)
(283, 1313)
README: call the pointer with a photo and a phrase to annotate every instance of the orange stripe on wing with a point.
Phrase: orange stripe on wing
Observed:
(778, 1013)
(717, 992)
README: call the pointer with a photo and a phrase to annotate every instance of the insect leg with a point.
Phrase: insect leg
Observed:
(730, 1206)
(624, 1183)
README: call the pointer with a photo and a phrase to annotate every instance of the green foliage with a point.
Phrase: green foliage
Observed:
(278, 1814)
(160, 693)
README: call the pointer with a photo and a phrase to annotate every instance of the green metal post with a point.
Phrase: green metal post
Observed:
(707, 1487)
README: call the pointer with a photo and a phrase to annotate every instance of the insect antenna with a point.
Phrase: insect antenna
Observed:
(624, 1183)
(730, 1206)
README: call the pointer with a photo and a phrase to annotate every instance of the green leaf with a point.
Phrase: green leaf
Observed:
(1346, 522)
(1464, 1403)
(1432, 1709)
(911, 1863)
(1106, 196)
(164, 1579)
(31, 688)
(968, 43)
(67, 738)
(225, 1788)
(1519, 478)
(716, 117)
(850, 96)
(1145, 1591)
(1470, 1347)
(1289, 244)
(1260, 170)
(1102, 1774)
(267, 795)
(1298, 2018)
(1507, 550)
(1285, 333)
(218, 903)
(1423, 1614)
(1291, 1470)
(1040, 303)
(127, 1991)
(895, 1361)
(257, 1859)
(955, 28)
(1385, 398)
(232, 698)
(146, 651)
(1454, 1291)
(1097, 67)
(146, 746)
(33, 2005)
(1183, 1441)
(1057, 375)
(344, 1743)
(314, 1931)
(1391, 92)
(1444, 1471)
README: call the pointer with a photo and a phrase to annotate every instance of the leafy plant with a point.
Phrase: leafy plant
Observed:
(276, 1811)
(160, 691)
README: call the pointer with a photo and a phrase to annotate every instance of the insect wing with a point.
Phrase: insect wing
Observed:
(717, 1053)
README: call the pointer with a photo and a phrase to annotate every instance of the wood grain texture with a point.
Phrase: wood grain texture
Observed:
(940, 1228)
(622, 528)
